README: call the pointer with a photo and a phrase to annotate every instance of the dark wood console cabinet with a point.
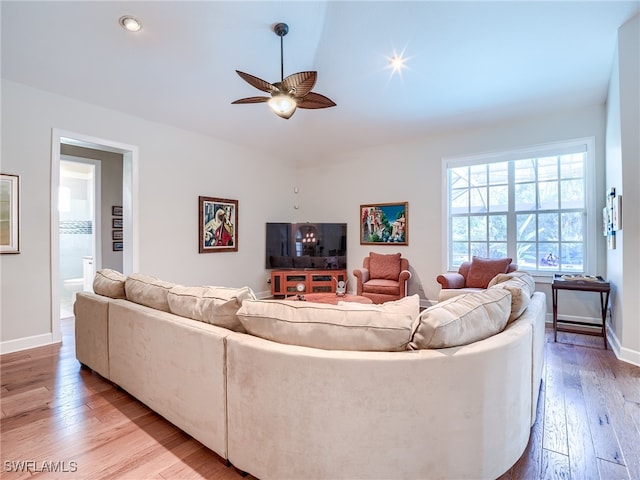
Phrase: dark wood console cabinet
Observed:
(285, 282)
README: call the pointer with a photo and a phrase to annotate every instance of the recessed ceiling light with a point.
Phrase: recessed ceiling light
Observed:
(397, 63)
(130, 23)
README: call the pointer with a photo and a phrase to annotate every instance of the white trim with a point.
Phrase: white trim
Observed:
(557, 148)
(54, 254)
(130, 257)
(130, 206)
(18, 344)
(622, 353)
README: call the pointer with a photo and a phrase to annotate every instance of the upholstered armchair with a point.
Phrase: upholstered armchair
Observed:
(383, 277)
(473, 276)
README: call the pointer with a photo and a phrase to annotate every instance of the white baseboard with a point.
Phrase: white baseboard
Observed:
(18, 344)
(622, 353)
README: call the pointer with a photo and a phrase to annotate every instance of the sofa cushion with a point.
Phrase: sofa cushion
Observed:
(462, 320)
(384, 266)
(521, 285)
(109, 283)
(482, 270)
(350, 326)
(409, 305)
(215, 305)
(148, 291)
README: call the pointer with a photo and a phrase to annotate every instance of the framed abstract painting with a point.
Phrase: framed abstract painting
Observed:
(217, 225)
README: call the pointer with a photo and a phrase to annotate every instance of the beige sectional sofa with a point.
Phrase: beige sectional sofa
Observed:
(281, 402)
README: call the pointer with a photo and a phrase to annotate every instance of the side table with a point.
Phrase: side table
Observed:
(599, 285)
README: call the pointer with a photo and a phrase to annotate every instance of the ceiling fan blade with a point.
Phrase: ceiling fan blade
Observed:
(251, 100)
(315, 100)
(299, 84)
(257, 82)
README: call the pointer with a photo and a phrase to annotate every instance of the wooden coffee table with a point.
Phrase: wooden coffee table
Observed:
(330, 298)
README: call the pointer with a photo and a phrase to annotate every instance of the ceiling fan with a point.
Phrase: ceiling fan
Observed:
(289, 93)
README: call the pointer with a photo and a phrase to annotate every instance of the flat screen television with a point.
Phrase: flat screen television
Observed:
(306, 246)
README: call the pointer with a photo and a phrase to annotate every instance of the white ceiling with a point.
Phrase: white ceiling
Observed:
(468, 63)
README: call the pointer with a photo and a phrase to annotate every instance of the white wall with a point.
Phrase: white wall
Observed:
(175, 167)
(413, 172)
(614, 179)
(623, 173)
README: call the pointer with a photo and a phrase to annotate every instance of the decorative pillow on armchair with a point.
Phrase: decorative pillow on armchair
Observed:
(384, 266)
(482, 270)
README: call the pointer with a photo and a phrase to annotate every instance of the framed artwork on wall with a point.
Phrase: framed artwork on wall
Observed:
(217, 225)
(384, 224)
(118, 246)
(9, 213)
(116, 211)
(616, 212)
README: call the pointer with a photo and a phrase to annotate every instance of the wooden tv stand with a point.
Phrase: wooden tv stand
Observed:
(284, 282)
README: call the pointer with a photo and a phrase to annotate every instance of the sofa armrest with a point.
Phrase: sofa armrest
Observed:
(451, 280)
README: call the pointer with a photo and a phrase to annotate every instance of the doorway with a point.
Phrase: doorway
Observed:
(130, 248)
(79, 227)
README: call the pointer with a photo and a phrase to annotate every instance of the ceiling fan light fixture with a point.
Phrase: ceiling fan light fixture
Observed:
(282, 105)
(291, 92)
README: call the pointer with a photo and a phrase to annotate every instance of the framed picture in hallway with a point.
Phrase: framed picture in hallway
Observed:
(217, 225)
(384, 224)
(9, 213)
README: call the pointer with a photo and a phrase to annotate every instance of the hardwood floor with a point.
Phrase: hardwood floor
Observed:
(61, 421)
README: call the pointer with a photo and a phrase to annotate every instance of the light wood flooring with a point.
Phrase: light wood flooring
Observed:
(62, 421)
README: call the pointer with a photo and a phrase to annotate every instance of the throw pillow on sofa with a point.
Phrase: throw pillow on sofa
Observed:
(109, 283)
(521, 285)
(148, 291)
(462, 320)
(215, 305)
(351, 326)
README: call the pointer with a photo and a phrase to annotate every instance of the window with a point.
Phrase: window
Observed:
(530, 205)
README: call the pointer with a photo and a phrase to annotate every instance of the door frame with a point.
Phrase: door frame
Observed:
(129, 203)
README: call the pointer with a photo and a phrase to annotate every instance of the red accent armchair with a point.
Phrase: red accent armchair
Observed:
(473, 276)
(382, 278)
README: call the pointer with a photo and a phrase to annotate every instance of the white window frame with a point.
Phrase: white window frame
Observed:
(593, 227)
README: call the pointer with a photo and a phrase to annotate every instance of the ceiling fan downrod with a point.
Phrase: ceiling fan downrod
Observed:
(281, 29)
